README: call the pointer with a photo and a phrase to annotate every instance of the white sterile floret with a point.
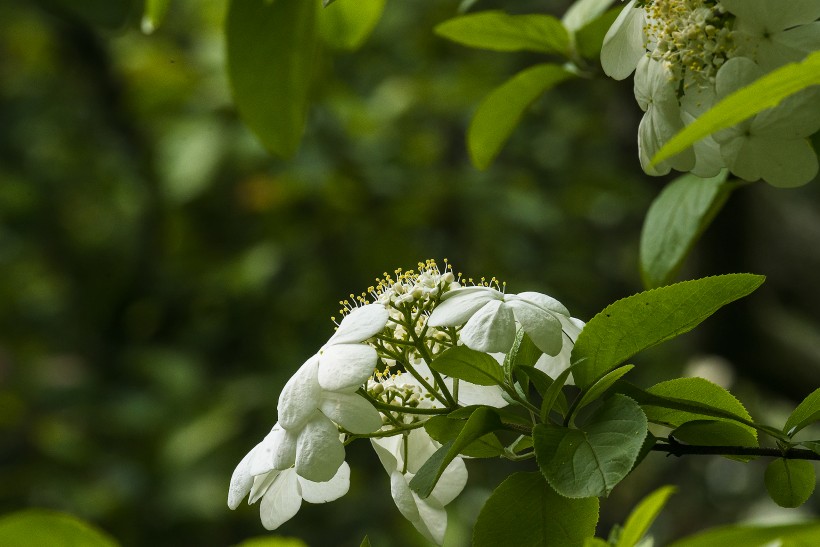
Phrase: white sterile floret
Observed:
(624, 43)
(555, 365)
(426, 514)
(489, 318)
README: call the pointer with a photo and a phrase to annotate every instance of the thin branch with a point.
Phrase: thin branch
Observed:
(678, 449)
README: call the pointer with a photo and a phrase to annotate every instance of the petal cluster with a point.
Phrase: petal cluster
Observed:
(686, 56)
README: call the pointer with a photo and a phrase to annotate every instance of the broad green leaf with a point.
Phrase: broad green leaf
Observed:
(444, 429)
(44, 527)
(589, 39)
(271, 51)
(790, 482)
(599, 387)
(482, 421)
(814, 446)
(501, 110)
(807, 412)
(703, 392)
(716, 433)
(590, 461)
(346, 25)
(807, 533)
(154, 14)
(744, 103)
(584, 12)
(675, 221)
(473, 366)
(646, 319)
(524, 511)
(499, 31)
(643, 516)
(523, 353)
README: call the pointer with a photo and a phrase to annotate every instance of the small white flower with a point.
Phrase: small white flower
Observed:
(427, 515)
(624, 43)
(489, 318)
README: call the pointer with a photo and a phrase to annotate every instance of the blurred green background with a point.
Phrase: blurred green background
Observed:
(161, 276)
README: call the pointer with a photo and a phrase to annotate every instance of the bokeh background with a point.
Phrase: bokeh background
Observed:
(161, 275)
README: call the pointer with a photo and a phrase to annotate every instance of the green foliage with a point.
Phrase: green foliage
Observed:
(154, 14)
(108, 14)
(554, 396)
(272, 52)
(584, 12)
(482, 421)
(646, 319)
(744, 103)
(792, 535)
(807, 412)
(675, 221)
(590, 461)
(43, 527)
(642, 517)
(523, 353)
(501, 110)
(466, 364)
(499, 31)
(524, 511)
(365, 542)
(590, 38)
(445, 429)
(346, 25)
(274, 541)
(790, 482)
(600, 386)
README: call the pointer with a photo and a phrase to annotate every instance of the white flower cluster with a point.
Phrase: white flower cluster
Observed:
(689, 54)
(373, 379)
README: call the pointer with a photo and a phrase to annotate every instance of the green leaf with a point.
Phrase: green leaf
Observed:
(807, 533)
(807, 412)
(154, 14)
(365, 542)
(716, 433)
(472, 366)
(675, 221)
(444, 429)
(744, 103)
(591, 460)
(523, 353)
(646, 319)
(346, 25)
(790, 482)
(595, 542)
(643, 516)
(589, 39)
(499, 31)
(543, 383)
(501, 110)
(553, 395)
(702, 392)
(524, 511)
(272, 541)
(599, 387)
(44, 527)
(814, 446)
(271, 51)
(482, 421)
(109, 14)
(584, 12)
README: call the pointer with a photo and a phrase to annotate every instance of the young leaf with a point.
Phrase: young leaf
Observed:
(675, 221)
(790, 482)
(501, 110)
(44, 527)
(482, 421)
(590, 461)
(444, 429)
(470, 365)
(598, 388)
(807, 411)
(365, 542)
(643, 516)
(523, 353)
(646, 319)
(271, 50)
(554, 394)
(744, 103)
(584, 12)
(814, 446)
(347, 25)
(499, 31)
(524, 511)
(804, 533)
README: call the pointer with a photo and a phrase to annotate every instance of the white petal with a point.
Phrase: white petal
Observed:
(451, 483)
(788, 163)
(458, 305)
(542, 326)
(796, 117)
(624, 43)
(300, 396)
(261, 483)
(319, 452)
(351, 411)
(241, 482)
(387, 449)
(433, 519)
(407, 501)
(345, 367)
(276, 451)
(360, 324)
(281, 502)
(546, 303)
(323, 492)
(490, 329)
(769, 16)
(572, 327)
(736, 73)
(420, 446)
(471, 394)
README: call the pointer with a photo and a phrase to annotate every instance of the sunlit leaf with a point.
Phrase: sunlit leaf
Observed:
(583, 12)
(499, 31)
(643, 516)
(44, 527)
(154, 14)
(346, 25)
(646, 319)
(804, 533)
(526, 512)
(675, 221)
(472, 366)
(807, 412)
